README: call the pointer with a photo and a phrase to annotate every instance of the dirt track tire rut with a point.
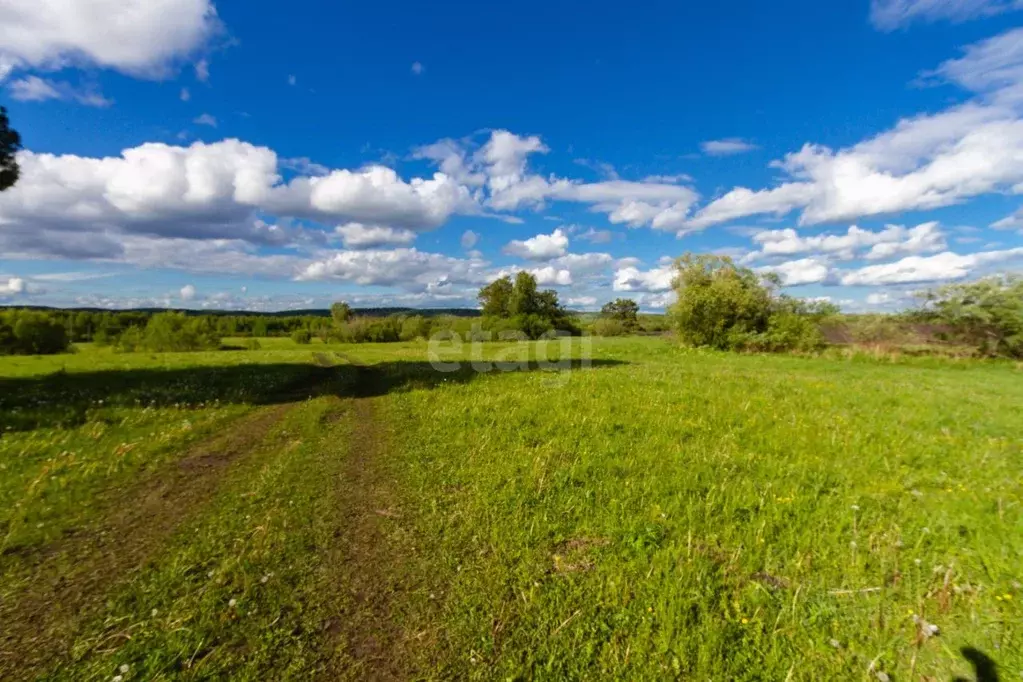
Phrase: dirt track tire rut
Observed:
(70, 579)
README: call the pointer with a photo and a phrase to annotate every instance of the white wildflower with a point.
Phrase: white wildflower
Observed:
(928, 630)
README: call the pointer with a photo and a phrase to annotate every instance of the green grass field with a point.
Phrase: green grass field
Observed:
(349, 512)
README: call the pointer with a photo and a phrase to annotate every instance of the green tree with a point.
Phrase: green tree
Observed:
(625, 310)
(301, 336)
(8, 342)
(718, 301)
(415, 327)
(525, 298)
(39, 334)
(10, 144)
(723, 305)
(987, 313)
(341, 312)
(549, 307)
(172, 332)
(608, 326)
(83, 325)
(521, 306)
(495, 298)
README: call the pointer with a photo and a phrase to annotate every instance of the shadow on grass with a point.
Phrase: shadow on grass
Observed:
(64, 398)
(984, 667)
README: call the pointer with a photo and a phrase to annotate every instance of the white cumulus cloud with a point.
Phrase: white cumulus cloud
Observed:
(143, 39)
(936, 268)
(409, 268)
(542, 247)
(893, 240)
(802, 271)
(13, 285)
(67, 205)
(923, 162)
(359, 236)
(652, 281)
(501, 166)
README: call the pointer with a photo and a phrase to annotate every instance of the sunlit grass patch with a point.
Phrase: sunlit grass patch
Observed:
(752, 512)
(657, 512)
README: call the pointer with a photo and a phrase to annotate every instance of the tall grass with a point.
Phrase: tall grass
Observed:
(715, 516)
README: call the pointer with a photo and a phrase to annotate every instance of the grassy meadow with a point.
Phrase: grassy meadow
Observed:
(349, 512)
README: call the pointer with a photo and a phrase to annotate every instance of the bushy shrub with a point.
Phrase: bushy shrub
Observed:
(301, 336)
(367, 330)
(653, 324)
(533, 325)
(453, 325)
(171, 332)
(607, 326)
(723, 305)
(26, 332)
(987, 314)
(878, 330)
(623, 310)
(791, 330)
(525, 308)
(415, 327)
(497, 328)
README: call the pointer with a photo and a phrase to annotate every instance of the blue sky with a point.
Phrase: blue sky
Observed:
(240, 156)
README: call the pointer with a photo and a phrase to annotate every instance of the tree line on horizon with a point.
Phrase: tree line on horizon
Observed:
(719, 304)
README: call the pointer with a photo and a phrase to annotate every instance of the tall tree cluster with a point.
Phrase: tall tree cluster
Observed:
(10, 144)
(519, 304)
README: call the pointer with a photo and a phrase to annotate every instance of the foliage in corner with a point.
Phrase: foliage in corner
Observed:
(987, 314)
(10, 144)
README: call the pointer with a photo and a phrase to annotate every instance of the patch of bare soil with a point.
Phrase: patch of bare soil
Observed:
(574, 555)
(70, 578)
(366, 641)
